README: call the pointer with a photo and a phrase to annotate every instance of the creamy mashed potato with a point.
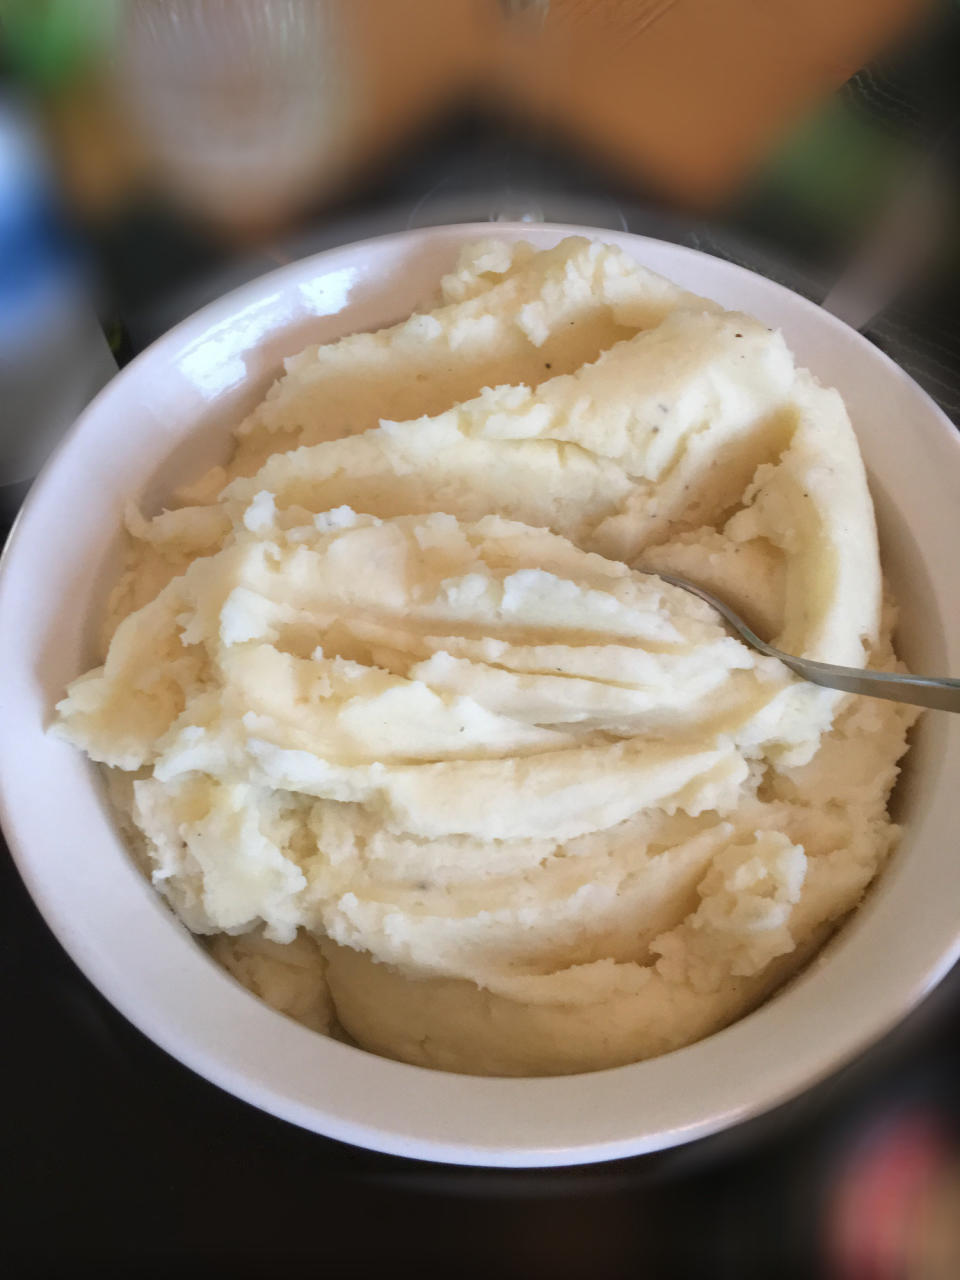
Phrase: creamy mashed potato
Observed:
(397, 711)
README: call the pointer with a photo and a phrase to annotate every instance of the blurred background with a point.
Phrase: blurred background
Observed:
(155, 154)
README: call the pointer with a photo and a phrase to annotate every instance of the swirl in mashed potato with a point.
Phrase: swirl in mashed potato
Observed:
(396, 707)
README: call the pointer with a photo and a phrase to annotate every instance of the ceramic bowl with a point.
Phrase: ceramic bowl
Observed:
(163, 420)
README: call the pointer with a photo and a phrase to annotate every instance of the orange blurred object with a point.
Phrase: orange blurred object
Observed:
(683, 97)
(689, 94)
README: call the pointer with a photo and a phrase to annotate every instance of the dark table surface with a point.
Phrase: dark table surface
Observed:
(118, 1160)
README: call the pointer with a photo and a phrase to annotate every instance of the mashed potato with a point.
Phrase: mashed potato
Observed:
(399, 712)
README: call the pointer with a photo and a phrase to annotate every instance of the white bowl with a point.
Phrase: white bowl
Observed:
(163, 420)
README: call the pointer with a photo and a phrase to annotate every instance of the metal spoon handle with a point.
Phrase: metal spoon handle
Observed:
(939, 692)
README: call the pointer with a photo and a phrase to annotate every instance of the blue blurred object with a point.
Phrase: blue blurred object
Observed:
(53, 354)
(36, 257)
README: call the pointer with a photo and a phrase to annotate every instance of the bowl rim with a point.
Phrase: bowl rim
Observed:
(418, 1133)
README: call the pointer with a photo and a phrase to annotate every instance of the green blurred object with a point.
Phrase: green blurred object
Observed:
(831, 175)
(47, 42)
(838, 167)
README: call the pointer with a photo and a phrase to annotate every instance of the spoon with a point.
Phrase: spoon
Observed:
(939, 692)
